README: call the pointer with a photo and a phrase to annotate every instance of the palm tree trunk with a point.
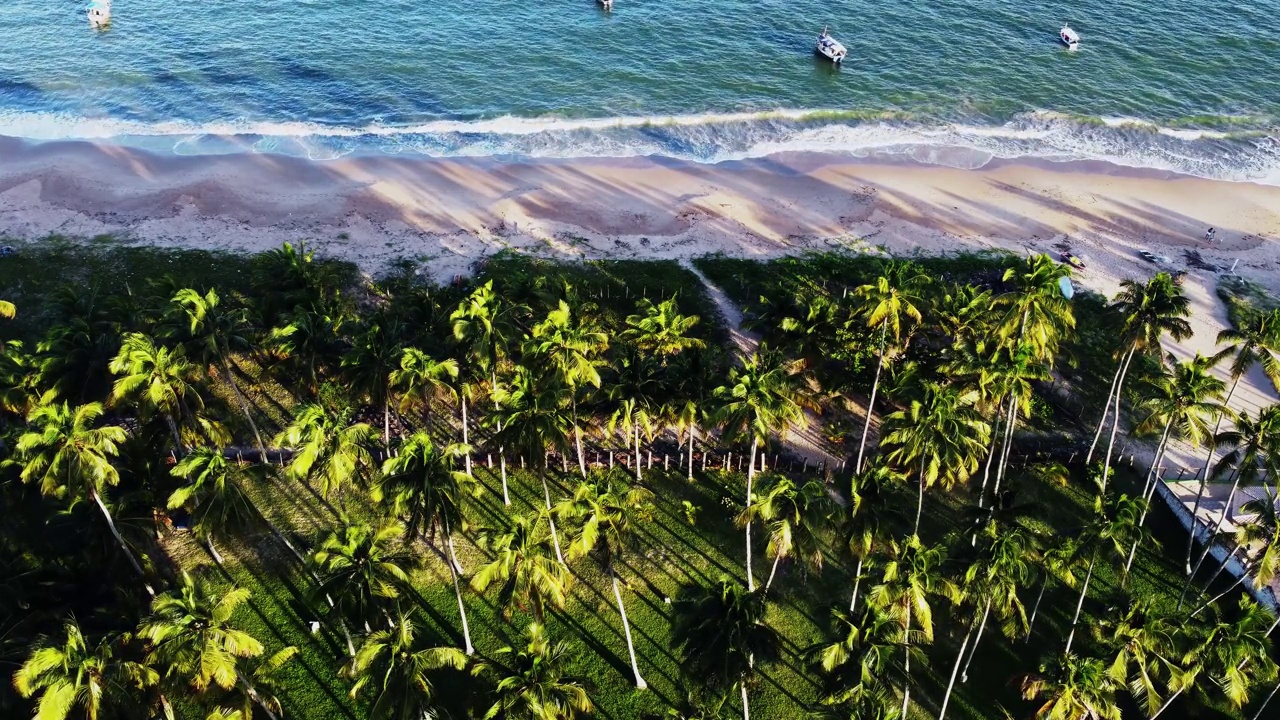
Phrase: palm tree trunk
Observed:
(751, 474)
(551, 521)
(1106, 410)
(1115, 426)
(1036, 609)
(386, 423)
(1204, 476)
(906, 664)
(986, 470)
(111, 524)
(1166, 704)
(502, 463)
(466, 438)
(462, 611)
(857, 579)
(213, 551)
(982, 628)
(1267, 702)
(746, 710)
(1084, 590)
(635, 425)
(1223, 566)
(951, 684)
(1239, 581)
(177, 437)
(871, 403)
(244, 407)
(1222, 518)
(577, 434)
(253, 694)
(773, 571)
(693, 431)
(626, 630)
(920, 499)
(1010, 425)
(1148, 491)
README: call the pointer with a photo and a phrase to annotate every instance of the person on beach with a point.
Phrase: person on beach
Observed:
(1208, 236)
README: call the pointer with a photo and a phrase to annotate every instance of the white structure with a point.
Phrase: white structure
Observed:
(1069, 38)
(99, 13)
(828, 48)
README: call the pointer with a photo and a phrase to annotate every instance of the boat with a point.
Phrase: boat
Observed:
(99, 12)
(830, 49)
(1069, 37)
(606, 4)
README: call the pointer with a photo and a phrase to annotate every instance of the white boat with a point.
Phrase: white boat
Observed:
(830, 49)
(99, 13)
(606, 4)
(1069, 37)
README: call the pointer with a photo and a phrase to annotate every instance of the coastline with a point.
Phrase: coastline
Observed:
(449, 212)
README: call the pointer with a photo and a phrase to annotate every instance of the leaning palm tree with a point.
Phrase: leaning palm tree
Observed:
(523, 567)
(762, 397)
(636, 392)
(422, 482)
(606, 519)
(661, 329)
(158, 379)
(1113, 528)
(794, 516)
(722, 633)
(211, 332)
(1143, 637)
(359, 571)
(890, 305)
(939, 435)
(326, 450)
(396, 665)
(532, 683)
(572, 341)
(871, 508)
(71, 458)
(214, 499)
(1002, 568)
(1150, 312)
(421, 380)
(483, 324)
(190, 635)
(1072, 688)
(80, 679)
(861, 657)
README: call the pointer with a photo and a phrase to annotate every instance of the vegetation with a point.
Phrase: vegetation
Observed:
(554, 491)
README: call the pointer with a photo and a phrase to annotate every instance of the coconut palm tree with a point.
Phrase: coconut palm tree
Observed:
(8, 310)
(326, 450)
(1002, 568)
(159, 380)
(77, 678)
(421, 380)
(483, 325)
(636, 391)
(661, 329)
(310, 334)
(722, 633)
(762, 397)
(210, 332)
(258, 686)
(396, 666)
(606, 517)
(911, 576)
(1143, 638)
(794, 516)
(1150, 312)
(939, 435)
(212, 497)
(1182, 400)
(20, 387)
(871, 509)
(1060, 559)
(1113, 529)
(370, 362)
(532, 683)
(71, 458)
(359, 570)
(190, 635)
(572, 342)
(890, 305)
(527, 574)
(861, 656)
(1036, 312)
(814, 328)
(1072, 688)
(422, 482)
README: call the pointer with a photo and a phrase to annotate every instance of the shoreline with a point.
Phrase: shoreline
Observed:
(449, 212)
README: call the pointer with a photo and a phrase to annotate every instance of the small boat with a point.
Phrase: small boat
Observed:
(1069, 37)
(830, 49)
(606, 4)
(99, 13)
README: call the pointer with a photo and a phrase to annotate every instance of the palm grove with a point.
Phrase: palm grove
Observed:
(537, 495)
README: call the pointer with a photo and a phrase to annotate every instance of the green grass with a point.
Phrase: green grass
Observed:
(1244, 299)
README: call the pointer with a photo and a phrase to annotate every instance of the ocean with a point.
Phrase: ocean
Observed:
(1177, 85)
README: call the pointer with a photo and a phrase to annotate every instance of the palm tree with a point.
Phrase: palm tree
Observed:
(1003, 567)
(572, 342)
(523, 566)
(7, 310)
(762, 397)
(941, 433)
(889, 304)
(1114, 528)
(258, 687)
(421, 380)
(159, 380)
(1150, 312)
(912, 574)
(325, 449)
(635, 391)
(814, 328)
(396, 665)
(1182, 399)
(370, 362)
(531, 680)
(1072, 688)
(861, 658)
(483, 324)
(212, 496)
(721, 633)
(1037, 313)
(359, 571)
(73, 676)
(211, 332)
(422, 482)
(794, 516)
(20, 387)
(868, 523)
(1143, 639)
(310, 334)
(1060, 560)
(71, 458)
(606, 520)
(661, 329)
(190, 634)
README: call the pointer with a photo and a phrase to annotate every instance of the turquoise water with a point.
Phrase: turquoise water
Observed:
(1188, 86)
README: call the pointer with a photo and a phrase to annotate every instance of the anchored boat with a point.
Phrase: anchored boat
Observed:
(99, 13)
(1069, 38)
(830, 49)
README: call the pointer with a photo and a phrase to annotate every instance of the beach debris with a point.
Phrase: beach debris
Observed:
(1073, 260)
